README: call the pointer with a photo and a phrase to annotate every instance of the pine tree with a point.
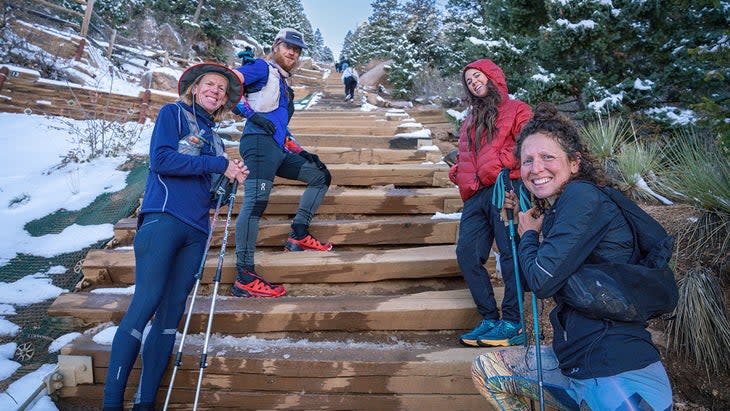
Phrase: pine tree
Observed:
(404, 68)
(463, 22)
(346, 45)
(418, 48)
(316, 49)
(327, 55)
(383, 29)
(423, 30)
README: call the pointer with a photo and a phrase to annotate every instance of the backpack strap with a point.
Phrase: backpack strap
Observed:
(216, 141)
(192, 122)
(652, 244)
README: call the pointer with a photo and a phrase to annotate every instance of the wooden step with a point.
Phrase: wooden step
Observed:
(357, 141)
(375, 201)
(421, 230)
(234, 400)
(349, 130)
(400, 175)
(426, 311)
(357, 266)
(342, 155)
(372, 120)
(249, 373)
(340, 115)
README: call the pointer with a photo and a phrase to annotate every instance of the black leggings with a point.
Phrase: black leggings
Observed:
(265, 160)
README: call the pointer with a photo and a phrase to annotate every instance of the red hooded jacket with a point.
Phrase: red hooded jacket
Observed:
(475, 170)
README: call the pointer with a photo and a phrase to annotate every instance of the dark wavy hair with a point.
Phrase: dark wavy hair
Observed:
(483, 115)
(549, 121)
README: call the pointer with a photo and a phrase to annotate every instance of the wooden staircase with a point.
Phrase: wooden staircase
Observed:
(372, 325)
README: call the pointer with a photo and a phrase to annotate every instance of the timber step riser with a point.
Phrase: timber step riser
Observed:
(117, 266)
(394, 378)
(352, 233)
(236, 400)
(429, 311)
(360, 141)
(344, 155)
(347, 200)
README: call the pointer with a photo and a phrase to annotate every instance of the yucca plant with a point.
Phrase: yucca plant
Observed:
(637, 163)
(698, 173)
(700, 329)
(604, 138)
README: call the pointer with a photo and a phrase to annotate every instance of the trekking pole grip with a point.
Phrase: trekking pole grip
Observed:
(507, 188)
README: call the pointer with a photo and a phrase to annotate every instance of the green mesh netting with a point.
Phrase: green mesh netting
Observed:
(38, 330)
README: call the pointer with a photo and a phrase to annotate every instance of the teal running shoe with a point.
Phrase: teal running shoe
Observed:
(471, 338)
(504, 334)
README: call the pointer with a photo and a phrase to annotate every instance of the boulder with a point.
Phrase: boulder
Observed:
(161, 79)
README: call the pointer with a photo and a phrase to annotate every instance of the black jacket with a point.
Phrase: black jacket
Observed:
(584, 226)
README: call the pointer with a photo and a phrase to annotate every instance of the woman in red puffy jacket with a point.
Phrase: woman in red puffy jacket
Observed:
(486, 145)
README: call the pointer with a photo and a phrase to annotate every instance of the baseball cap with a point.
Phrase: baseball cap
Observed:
(291, 36)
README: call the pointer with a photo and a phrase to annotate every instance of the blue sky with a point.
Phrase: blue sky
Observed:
(335, 17)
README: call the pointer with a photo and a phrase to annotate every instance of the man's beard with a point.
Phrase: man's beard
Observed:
(281, 62)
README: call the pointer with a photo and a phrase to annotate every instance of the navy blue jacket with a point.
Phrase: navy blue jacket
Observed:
(179, 184)
(584, 226)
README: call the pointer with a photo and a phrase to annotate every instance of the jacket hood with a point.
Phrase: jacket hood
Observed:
(493, 72)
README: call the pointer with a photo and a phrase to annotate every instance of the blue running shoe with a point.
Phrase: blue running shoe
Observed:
(504, 334)
(470, 338)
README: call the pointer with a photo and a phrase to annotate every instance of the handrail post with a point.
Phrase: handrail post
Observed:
(84, 28)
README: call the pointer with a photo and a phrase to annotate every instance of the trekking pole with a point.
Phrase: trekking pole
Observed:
(536, 324)
(216, 284)
(506, 185)
(198, 275)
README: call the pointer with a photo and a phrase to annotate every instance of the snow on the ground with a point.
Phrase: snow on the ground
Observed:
(32, 186)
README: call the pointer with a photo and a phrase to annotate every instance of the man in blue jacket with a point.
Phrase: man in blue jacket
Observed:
(268, 150)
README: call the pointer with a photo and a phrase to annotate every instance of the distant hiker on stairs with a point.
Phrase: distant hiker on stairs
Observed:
(486, 144)
(269, 151)
(350, 79)
(173, 226)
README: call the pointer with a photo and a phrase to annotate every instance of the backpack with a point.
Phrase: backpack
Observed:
(640, 290)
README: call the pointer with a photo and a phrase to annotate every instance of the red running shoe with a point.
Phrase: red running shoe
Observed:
(305, 244)
(257, 288)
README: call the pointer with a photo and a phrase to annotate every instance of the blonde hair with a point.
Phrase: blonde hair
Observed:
(187, 96)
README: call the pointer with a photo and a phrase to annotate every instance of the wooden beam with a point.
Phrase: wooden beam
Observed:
(356, 266)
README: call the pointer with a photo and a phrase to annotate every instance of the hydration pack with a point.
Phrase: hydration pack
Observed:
(639, 290)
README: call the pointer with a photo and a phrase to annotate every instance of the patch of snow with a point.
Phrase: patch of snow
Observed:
(583, 24)
(446, 216)
(61, 341)
(425, 133)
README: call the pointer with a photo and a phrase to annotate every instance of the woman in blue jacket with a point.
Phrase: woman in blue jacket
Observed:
(604, 364)
(173, 226)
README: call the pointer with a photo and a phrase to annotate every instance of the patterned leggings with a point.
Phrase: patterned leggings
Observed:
(507, 378)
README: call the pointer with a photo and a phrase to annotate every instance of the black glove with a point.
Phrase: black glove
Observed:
(451, 157)
(220, 187)
(263, 123)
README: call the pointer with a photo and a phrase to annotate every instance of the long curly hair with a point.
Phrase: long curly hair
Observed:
(549, 121)
(482, 118)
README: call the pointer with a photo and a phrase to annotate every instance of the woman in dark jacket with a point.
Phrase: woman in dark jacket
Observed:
(606, 365)
(173, 226)
(486, 145)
